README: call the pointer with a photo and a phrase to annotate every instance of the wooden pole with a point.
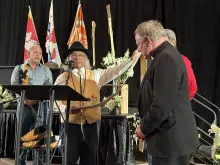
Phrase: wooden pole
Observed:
(93, 41)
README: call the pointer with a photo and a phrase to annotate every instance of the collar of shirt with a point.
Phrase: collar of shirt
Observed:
(156, 51)
(75, 71)
(27, 62)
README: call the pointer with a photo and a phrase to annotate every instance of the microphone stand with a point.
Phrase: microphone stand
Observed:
(52, 99)
(19, 127)
(66, 124)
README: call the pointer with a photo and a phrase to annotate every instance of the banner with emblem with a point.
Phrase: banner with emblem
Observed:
(31, 35)
(51, 43)
(78, 32)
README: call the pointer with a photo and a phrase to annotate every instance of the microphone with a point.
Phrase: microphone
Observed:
(67, 66)
(69, 69)
(69, 63)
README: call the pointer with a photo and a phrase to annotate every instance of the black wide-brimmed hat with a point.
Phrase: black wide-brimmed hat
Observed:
(76, 46)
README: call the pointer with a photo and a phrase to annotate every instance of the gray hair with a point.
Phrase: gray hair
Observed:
(152, 28)
(170, 35)
(34, 44)
(87, 64)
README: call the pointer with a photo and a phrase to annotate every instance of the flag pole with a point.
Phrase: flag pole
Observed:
(33, 22)
(79, 3)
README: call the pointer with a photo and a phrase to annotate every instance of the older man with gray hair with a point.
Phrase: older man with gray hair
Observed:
(167, 121)
(192, 85)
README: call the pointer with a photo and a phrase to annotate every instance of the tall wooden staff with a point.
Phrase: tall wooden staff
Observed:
(93, 41)
(111, 39)
(110, 30)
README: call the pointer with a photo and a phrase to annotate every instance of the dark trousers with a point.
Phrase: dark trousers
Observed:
(29, 121)
(85, 149)
(182, 160)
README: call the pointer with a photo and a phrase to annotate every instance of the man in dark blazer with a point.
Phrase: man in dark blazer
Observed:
(167, 121)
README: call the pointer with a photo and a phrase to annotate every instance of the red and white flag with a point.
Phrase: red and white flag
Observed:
(51, 43)
(78, 32)
(31, 35)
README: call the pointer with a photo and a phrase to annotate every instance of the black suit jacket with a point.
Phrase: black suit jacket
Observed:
(166, 116)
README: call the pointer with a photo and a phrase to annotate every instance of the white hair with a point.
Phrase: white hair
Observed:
(170, 35)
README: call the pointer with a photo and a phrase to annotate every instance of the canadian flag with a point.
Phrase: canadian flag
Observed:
(78, 32)
(31, 35)
(51, 43)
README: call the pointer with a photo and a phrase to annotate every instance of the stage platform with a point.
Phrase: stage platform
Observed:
(8, 161)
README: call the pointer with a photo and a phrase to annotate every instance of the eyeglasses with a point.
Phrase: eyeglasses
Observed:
(74, 55)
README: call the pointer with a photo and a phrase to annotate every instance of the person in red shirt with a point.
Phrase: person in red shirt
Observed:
(192, 85)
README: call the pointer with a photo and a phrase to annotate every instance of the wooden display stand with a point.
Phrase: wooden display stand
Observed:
(143, 67)
(124, 99)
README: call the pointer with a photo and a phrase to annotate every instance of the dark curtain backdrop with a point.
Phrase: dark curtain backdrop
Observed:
(196, 23)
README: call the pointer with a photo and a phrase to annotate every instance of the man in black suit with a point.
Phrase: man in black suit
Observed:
(167, 121)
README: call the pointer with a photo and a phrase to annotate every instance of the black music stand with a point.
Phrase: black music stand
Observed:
(44, 92)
